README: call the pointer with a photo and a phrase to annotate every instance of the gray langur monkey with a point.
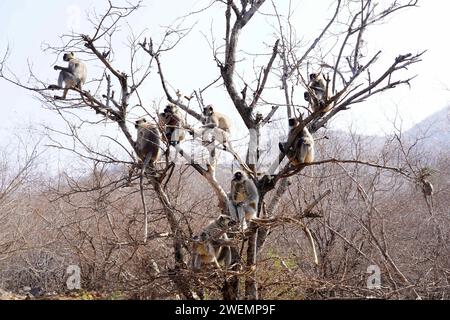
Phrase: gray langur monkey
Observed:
(217, 124)
(213, 119)
(216, 127)
(148, 142)
(207, 248)
(218, 226)
(427, 187)
(148, 148)
(244, 199)
(173, 124)
(302, 149)
(317, 94)
(206, 252)
(72, 76)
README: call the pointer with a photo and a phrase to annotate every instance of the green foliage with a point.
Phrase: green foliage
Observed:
(277, 260)
(116, 295)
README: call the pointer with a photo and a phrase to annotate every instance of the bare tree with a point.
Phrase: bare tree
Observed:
(351, 77)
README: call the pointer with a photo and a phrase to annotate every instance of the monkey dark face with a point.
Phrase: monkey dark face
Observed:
(293, 122)
(139, 123)
(169, 110)
(313, 76)
(203, 237)
(68, 56)
(238, 176)
(208, 111)
(224, 220)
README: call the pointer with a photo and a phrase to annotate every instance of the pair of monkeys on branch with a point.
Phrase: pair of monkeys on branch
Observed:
(301, 149)
(212, 247)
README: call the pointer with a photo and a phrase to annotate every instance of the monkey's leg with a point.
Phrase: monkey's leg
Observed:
(195, 263)
(225, 256)
(62, 75)
(241, 215)
(232, 210)
(314, 102)
(61, 79)
(78, 85)
(228, 258)
(66, 90)
(212, 154)
(177, 136)
(302, 153)
(217, 263)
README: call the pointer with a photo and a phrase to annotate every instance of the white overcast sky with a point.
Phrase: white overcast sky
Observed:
(27, 24)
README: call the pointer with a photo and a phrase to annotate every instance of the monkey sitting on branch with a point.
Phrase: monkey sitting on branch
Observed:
(72, 76)
(148, 142)
(208, 248)
(213, 119)
(243, 199)
(171, 121)
(427, 190)
(302, 149)
(317, 94)
(216, 127)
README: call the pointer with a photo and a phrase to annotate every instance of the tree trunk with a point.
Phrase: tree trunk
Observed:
(230, 290)
(251, 286)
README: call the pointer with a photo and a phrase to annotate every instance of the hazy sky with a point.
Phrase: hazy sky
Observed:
(28, 24)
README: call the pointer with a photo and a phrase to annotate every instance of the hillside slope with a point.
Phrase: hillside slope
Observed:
(435, 130)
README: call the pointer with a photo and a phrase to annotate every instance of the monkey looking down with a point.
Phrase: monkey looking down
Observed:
(218, 226)
(302, 149)
(72, 76)
(173, 124)
(148, 140)
(206, 251)
(215, 119)
(317, 94)
(216, 127)
(244, 198)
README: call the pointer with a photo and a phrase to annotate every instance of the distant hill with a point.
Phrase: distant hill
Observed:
(433, 133)
(435, 129)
